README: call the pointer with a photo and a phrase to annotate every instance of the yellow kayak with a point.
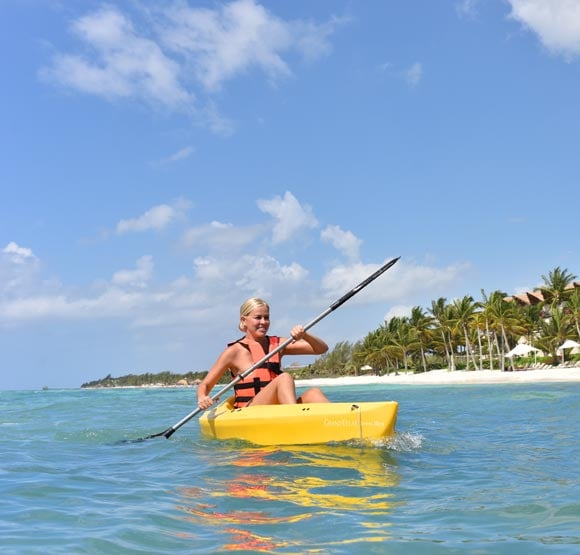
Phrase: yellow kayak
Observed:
(300, 424)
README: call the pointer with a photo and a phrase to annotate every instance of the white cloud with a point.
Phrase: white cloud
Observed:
(178, 51)
(248, 275)
(225, 42)
(409, 279)
(414, 74)
(467, 7)
(312, 39)
(112, 303)
(156, 218)
(137, 277)
(221, 236)
(403, 281)
(18, 269)
(204, 303)
(33, 308)
(289, 215)
(217, 285)
(344, 241)
(207, 297)
(222, 43)
(17, 254)
(556, 22)
(216, 122)
(182, 154)
(123, 63)
(411, 75)
(399, 311)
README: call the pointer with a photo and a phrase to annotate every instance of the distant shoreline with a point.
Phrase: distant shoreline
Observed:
(457, 377)
(433, 377)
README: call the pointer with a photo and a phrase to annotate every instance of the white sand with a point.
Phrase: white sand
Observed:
(443, 377)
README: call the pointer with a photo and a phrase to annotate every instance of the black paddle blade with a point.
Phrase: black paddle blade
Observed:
(165, 433)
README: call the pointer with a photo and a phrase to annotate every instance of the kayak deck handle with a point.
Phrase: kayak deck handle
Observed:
(354, 407)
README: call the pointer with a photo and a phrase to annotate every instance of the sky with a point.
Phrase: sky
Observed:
(163, 161)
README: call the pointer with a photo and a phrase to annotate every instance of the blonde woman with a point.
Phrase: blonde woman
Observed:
(267, 385)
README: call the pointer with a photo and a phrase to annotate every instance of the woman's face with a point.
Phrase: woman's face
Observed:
(258, 321)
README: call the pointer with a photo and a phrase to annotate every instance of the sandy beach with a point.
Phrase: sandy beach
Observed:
(445, 377)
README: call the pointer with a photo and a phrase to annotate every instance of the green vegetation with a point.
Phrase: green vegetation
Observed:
(137, 380)
(465, 333)
(461, 334)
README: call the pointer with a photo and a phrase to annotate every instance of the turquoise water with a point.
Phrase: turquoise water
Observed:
(472, 469)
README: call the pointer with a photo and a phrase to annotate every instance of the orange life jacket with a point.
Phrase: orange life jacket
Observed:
(246, 389)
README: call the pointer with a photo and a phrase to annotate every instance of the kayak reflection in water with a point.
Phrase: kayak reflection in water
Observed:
(267, 385)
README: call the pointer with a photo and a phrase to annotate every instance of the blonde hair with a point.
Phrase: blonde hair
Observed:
(247, 308)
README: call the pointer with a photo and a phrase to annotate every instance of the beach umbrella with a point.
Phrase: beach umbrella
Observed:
(366, 368)
(521, 349)
(568, 344)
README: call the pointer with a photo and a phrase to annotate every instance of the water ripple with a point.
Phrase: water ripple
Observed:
(482, 469)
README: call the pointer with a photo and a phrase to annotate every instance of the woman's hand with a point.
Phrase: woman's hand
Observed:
(204, 402)
(297, 332)
(316, 346)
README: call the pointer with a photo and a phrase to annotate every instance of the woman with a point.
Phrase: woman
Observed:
(267, 385)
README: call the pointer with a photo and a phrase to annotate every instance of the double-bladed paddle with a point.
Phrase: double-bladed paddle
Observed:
(170, 431)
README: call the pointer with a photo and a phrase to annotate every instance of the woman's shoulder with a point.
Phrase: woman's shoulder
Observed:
(229, 357)
(235, 347)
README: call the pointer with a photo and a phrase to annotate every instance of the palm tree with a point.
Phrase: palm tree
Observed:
(422, 324)
(487, 306)
(504, 320)
(494, 324)
(573, 308)
(464, 310)
(369, 350)
(531, 319)
(390, 349)
(442, 313)
(554, 331)
(555, 289)
(404, 341)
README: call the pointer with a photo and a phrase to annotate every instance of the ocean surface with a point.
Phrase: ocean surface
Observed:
(472, 469)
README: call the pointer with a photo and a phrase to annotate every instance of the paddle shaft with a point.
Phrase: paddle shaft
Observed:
(170, 431)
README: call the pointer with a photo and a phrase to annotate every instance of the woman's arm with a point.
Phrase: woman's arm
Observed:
(214, 374)
(305, 343)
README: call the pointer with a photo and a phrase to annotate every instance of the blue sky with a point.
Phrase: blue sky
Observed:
(163, 161)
